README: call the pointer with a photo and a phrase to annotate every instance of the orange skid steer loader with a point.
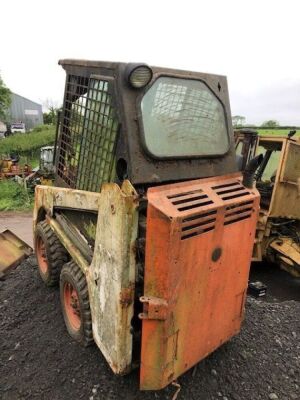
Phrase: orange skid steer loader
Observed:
(149, 227)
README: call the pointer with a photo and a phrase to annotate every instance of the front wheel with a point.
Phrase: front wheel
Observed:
(75, 303)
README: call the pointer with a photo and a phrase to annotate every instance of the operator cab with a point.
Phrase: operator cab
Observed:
(147, 124)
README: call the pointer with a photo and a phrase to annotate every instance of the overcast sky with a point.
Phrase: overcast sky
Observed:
(255, 43)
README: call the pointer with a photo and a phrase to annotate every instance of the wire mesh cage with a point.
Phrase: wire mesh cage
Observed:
(88, 134)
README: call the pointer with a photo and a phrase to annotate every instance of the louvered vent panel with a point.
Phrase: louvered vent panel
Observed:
(202, 220)
(231, 190)
(198, 224)
(190, 200)
(238, 212)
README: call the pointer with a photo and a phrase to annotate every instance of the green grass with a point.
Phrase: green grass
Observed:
(32, 159)
(276, 132)
(14, 197)
(26, 144)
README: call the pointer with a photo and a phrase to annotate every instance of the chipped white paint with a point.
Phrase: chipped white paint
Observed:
(48, 197)
(113, 266)
(111, 275)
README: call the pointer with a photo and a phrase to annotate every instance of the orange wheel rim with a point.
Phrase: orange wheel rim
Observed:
(71, 302)
(41, 255)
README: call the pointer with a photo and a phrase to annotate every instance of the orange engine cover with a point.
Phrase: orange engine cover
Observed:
(199, 243)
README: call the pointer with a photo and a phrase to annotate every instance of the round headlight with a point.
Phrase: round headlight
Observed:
(139, 76)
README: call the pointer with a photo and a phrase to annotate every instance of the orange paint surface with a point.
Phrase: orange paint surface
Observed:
(199, 243)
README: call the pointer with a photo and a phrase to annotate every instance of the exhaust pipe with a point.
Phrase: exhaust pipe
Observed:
(249, 172)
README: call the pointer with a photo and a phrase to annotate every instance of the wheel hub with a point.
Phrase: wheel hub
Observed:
(41, 255)
(72, 307)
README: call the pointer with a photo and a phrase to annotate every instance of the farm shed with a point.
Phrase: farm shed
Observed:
(25, 110)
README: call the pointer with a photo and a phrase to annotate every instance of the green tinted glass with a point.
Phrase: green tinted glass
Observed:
(182, 117)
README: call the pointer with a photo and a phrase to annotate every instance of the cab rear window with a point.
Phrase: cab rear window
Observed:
(183, 118)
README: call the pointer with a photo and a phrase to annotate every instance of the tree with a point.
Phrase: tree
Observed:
(238, 120)
(5, 100)
(50, 115)
(272, 123)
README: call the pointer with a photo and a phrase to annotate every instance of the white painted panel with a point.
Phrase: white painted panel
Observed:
(111, 276)
(31, 112)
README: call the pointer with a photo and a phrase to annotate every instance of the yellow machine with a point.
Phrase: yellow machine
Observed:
(278, 181)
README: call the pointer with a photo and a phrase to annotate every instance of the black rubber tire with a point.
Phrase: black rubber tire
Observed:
(72, 274)
(56, 254)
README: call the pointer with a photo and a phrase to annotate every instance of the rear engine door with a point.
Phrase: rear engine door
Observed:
(199, 243)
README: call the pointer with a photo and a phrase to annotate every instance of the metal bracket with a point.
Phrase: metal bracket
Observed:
(154, 308)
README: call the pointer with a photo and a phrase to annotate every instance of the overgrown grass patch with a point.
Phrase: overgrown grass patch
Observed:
(14, 197)
(276, 132)
(26, 144)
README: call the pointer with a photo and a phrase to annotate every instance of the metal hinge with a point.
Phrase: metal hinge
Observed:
(154, 308)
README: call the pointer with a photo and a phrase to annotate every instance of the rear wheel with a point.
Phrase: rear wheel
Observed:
(75, 303)
(50, 253)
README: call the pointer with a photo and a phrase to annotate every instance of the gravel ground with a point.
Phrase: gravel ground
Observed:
(38, 360)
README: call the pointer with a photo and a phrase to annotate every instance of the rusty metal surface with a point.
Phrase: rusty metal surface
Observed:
(198, 250)
(12, 251)
(288, 254)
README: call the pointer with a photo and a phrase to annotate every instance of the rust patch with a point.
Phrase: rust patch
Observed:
(126, 296)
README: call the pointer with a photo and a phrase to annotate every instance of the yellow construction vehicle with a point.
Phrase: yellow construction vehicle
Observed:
(278, 181)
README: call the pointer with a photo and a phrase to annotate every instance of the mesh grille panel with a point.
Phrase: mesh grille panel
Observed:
(88, 134)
